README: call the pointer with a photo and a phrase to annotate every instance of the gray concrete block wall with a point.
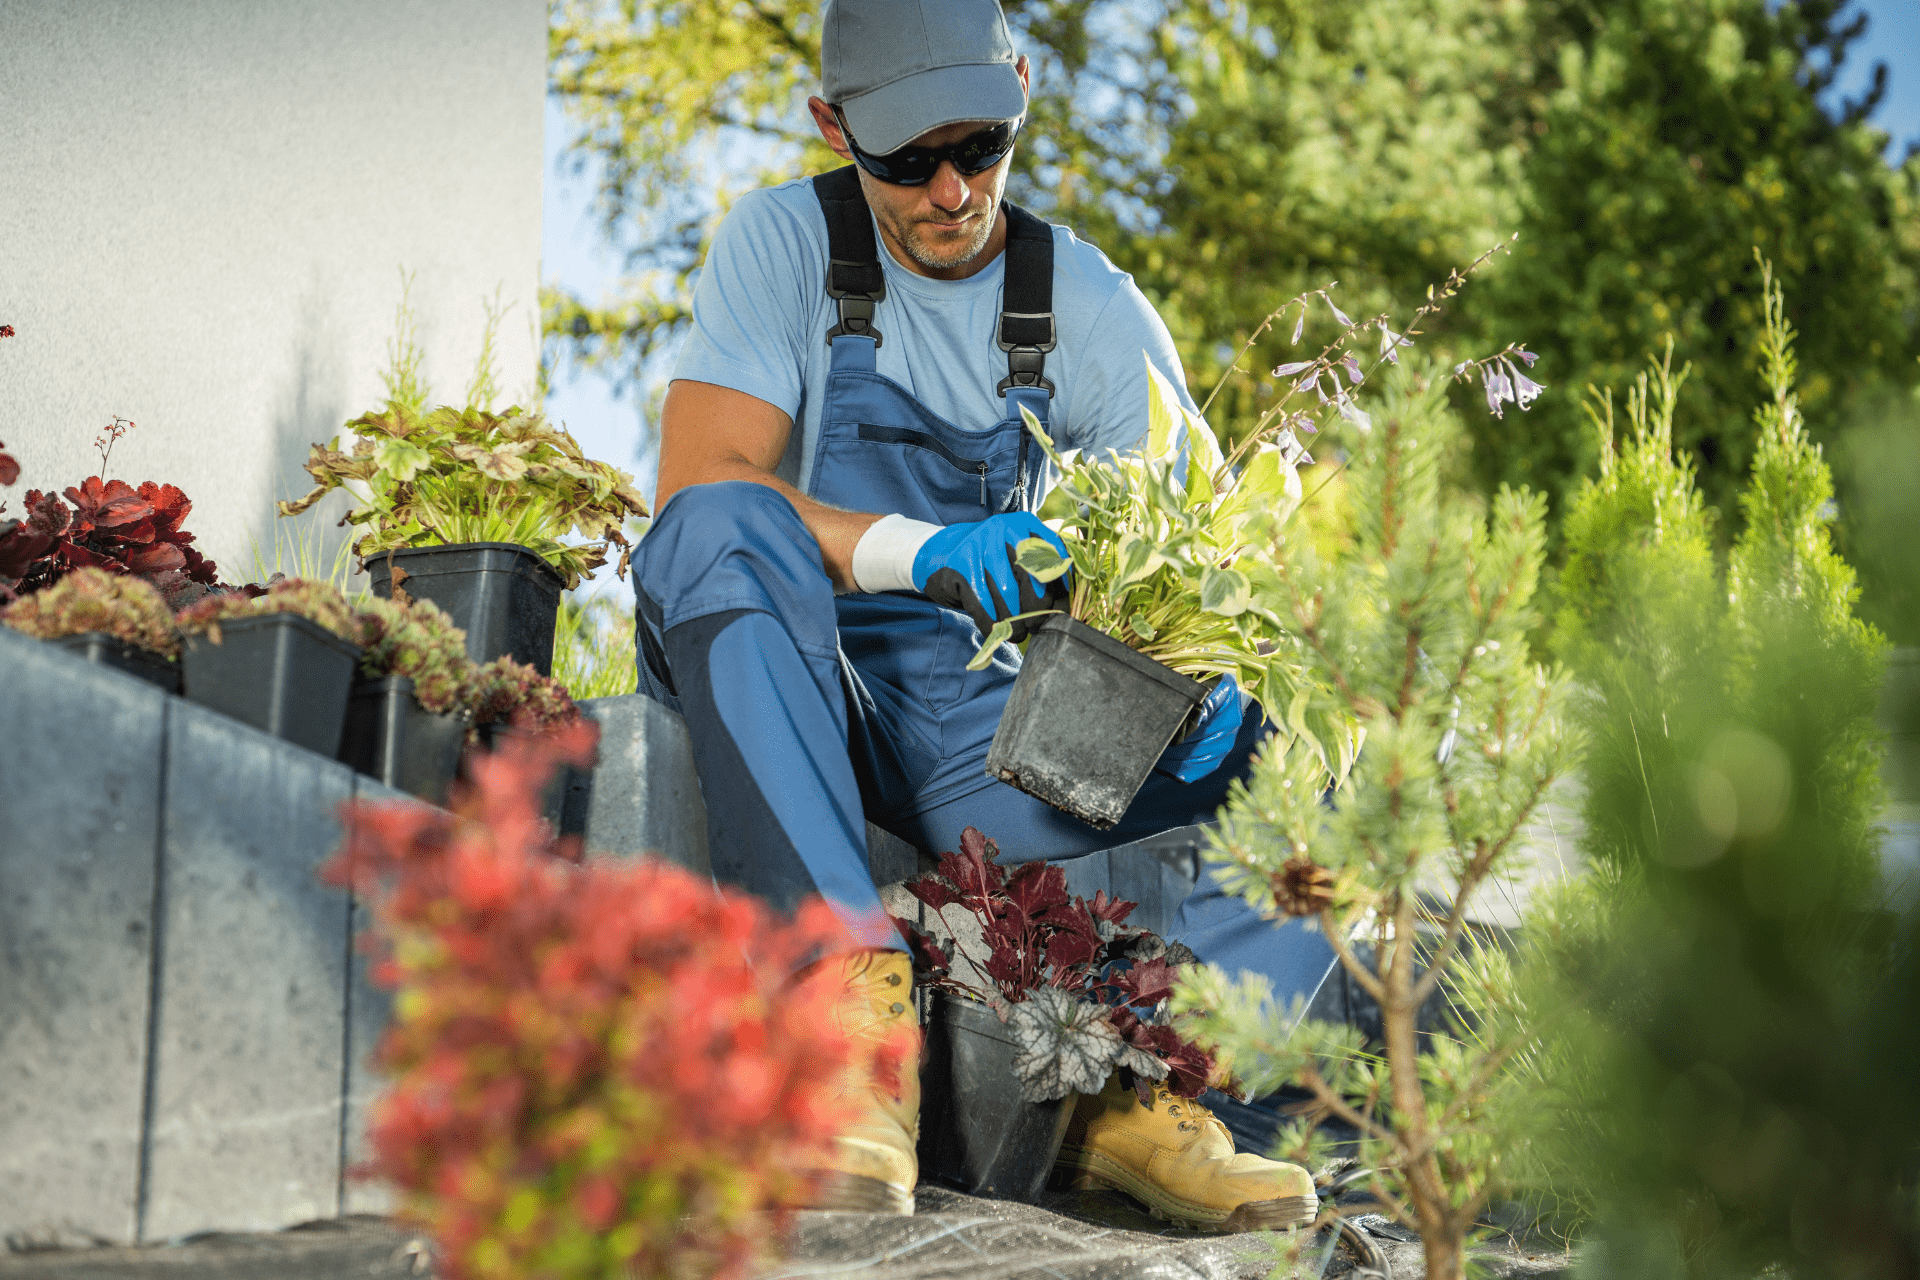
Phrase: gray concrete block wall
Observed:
(244, 1127)
(76, 921)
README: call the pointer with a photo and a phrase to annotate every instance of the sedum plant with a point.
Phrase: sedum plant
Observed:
(1082, 993)
(595, 1070)
(321, 603)
(508, 693)
(417, 640)
(472, 475)
(126, 608)
(1415, 630)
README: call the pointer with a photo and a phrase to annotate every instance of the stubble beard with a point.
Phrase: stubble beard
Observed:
(941, 257)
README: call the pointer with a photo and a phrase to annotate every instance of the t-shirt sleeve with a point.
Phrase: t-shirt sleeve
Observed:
(750, 304)
(1110, 385)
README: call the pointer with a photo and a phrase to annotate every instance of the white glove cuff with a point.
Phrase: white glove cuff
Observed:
(883, 558)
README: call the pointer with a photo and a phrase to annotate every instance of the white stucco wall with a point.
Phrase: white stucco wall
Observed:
(205, 206)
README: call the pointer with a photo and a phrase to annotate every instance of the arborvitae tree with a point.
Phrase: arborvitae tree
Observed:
(1414, 629)
(1731, 1039)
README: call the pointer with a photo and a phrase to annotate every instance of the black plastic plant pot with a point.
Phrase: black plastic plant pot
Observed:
(503, 596)
(278, 672)
(391, 737)
(976, 1132)
(1086, 720)
(111, 651)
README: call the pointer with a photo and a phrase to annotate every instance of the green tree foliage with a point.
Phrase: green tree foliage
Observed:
(1729, 1036)
(1414, 630)
(1675, 136)
(1233, 153)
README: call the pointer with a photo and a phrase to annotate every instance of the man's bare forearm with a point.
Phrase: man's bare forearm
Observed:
(836, 531)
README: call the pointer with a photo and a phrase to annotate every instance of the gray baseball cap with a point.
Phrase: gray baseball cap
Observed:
(897, 68)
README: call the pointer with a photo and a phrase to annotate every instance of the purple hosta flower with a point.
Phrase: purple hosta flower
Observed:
(1462, 367)
(1288, 370)
(1338, 314)
(1353, 370)
(1390, 342)
(1528, 356)
(1354, 413)
(1498, 388)
(1299, 326)
(1525, 389)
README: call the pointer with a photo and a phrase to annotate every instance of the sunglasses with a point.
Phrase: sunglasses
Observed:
(915, 166)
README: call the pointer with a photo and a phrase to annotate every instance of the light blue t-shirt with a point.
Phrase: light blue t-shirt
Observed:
(761, 315)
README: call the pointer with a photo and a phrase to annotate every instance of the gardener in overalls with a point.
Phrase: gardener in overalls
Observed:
(843, 470)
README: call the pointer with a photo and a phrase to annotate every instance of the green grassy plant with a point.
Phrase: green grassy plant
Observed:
(593, 647)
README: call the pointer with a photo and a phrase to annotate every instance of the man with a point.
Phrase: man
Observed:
(843, 472)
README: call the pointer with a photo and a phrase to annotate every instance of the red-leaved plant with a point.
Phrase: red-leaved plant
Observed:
(1081, 992)
(104, 524)
(596, 1069)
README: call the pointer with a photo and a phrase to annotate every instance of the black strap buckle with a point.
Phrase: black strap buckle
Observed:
(1026, 360)
(856, 305)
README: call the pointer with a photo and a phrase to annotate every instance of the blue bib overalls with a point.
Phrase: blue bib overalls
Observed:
(811, 713)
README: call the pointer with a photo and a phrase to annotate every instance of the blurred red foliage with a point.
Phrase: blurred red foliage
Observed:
(596, 1068)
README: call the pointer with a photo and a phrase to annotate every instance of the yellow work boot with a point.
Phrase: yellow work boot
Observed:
(874, 1167)
(1179, 1161)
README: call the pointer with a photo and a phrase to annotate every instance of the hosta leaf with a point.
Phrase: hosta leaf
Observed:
(1225, 592)
(1139, 625)
(1062, 1045)
(999, 635)
(1135, 559)
(1164, 413)
(1039, 558)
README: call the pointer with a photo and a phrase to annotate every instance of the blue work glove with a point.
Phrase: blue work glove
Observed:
(1202, 751)
(971, 567)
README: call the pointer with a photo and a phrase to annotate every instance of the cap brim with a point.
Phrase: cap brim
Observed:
(893, 115)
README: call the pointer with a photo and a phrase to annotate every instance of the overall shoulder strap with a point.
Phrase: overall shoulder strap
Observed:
(1027, 330)
(854, 278)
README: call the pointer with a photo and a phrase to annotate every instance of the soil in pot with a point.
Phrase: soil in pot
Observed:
(111, 651)
(278, 672)
(391, 737)
(976, 1133)
(1086, 720)
(503, 596)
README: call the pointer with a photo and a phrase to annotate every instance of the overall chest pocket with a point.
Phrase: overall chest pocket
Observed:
(868, 466)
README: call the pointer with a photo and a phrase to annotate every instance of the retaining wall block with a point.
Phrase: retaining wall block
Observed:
(248, 1049)
(643, 796)
(369, 1010)
(79, 817)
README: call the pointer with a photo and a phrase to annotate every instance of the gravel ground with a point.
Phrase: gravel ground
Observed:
(1071, 1236)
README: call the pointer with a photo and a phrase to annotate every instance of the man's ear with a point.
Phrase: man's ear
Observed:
(829, 126)
(1020, 68)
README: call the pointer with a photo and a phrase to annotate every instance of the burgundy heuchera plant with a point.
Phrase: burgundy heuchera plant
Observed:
(1082, 993)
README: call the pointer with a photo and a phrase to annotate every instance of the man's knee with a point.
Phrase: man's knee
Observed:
(733, 545)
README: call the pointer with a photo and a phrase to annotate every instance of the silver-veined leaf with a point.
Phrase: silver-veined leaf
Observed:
(1041, 559)
(999, 634)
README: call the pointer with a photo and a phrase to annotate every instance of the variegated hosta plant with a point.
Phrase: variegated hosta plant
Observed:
(472, 475)
(1172, 552)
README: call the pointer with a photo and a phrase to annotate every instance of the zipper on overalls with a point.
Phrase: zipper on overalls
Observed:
(983, 484)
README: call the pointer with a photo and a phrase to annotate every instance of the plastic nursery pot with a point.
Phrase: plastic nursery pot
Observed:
(503, 596)
(111, 651)
(391, 737)
(1086, 720)
(976, 1133)
(278, 672)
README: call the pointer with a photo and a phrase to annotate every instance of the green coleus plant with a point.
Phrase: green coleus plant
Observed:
(472, 475)
(126, 608)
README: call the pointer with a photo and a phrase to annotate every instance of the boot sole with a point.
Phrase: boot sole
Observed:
(856, 1193)
(1097, 1172)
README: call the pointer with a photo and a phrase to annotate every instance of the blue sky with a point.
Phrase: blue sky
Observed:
(573, 252)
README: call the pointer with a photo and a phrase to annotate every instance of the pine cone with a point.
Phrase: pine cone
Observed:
(1303, 887)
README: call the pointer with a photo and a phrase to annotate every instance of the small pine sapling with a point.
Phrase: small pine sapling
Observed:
(1415, 630)
(129, 609)
(596, 1070)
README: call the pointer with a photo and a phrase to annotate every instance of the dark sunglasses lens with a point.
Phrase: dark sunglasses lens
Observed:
(907, 167)
(984, 149)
